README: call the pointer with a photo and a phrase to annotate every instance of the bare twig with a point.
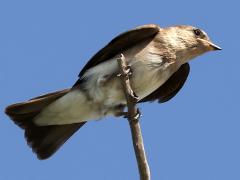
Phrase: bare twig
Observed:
(133, 119)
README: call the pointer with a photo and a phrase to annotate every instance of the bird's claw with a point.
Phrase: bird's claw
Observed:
(123, 114)
(138, 114)
(129, 70)
(135, 96)
(126, 115)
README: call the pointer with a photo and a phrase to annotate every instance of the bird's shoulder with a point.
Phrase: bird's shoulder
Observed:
(121, 43)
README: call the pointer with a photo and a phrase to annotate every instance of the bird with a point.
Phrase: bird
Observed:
(159, 62)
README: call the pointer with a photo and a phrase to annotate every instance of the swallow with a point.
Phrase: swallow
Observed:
(159, 61)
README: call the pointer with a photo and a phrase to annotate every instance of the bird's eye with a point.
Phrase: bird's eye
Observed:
(197, 32)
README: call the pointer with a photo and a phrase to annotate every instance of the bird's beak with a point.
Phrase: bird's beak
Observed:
(211, 46)
(214, 46)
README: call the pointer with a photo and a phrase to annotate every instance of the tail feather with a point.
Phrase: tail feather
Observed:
(44, 140)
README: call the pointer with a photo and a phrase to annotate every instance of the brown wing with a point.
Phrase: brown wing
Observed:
(171, 87)
(121, 43)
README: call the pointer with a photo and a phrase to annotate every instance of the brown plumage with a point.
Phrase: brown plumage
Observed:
(172, 47)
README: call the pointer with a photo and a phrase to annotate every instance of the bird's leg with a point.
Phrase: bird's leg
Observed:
(118, 110)
(124, 114)
(136, 116)
(128, 71)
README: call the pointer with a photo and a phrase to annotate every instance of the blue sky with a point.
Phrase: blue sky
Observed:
(43, 46)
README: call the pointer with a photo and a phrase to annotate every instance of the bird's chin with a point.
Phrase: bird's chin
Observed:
(196, 51)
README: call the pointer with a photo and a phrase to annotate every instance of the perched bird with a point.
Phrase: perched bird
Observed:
(158, 58)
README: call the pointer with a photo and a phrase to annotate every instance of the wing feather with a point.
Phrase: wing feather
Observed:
(121, 43)
(171, 87)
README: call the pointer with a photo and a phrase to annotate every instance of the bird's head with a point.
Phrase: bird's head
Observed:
(187, 42)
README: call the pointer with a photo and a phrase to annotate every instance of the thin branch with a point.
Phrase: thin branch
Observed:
(133, 116)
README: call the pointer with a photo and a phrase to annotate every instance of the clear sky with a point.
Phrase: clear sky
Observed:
(195, 136)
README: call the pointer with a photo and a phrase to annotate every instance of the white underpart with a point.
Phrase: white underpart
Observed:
(71, 108)
(149, 73)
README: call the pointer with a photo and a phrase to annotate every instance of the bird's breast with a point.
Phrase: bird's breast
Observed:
(148, 73)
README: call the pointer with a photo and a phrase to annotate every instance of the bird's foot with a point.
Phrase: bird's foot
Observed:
(122, 114)
(119, 110)
(137, 115)
(128, 71)
(127, 116)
